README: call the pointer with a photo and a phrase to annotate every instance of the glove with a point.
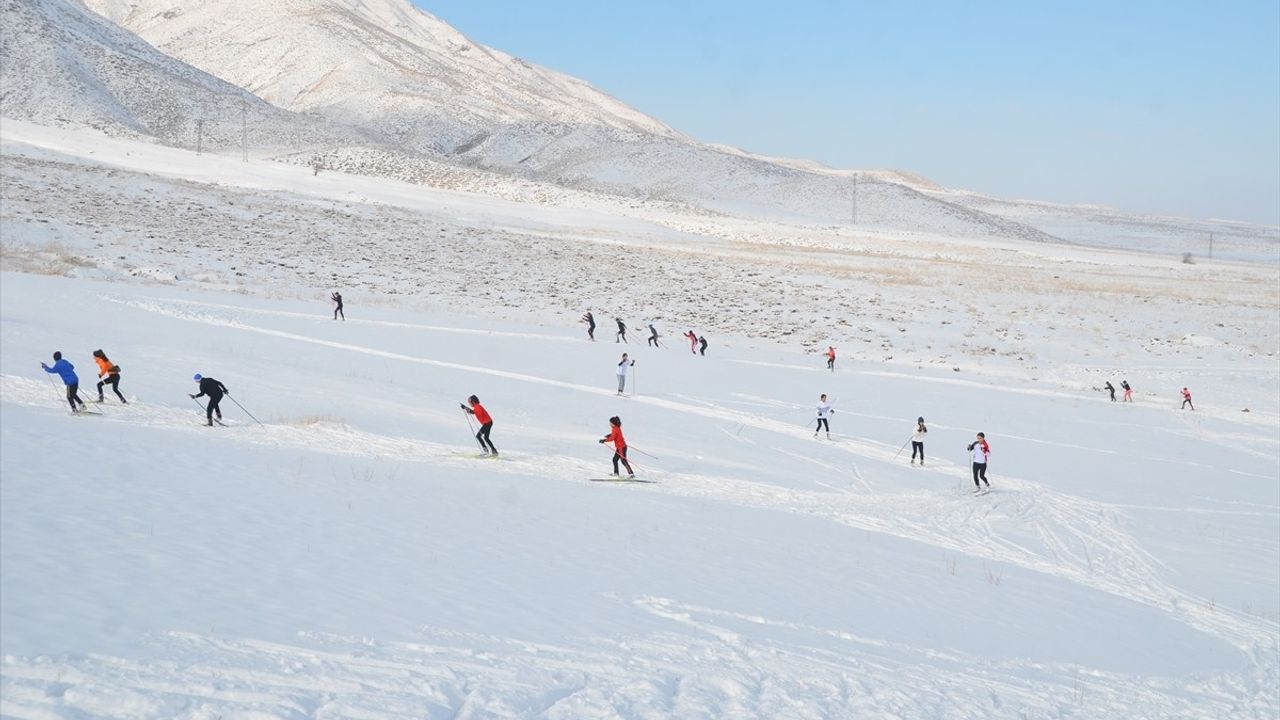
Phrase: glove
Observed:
(193, 397)
(601, 441)
(464, 407)
(43, 366)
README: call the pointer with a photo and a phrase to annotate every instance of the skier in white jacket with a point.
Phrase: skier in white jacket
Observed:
(622, 372)
(917, 441)
(980, 452)
(824, 413)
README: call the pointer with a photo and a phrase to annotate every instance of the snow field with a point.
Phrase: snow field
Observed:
(350, 560)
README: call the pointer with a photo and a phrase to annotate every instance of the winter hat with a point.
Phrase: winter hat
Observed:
(57, 355)
(615, 420)
(474, 400)
(197, 377)
(920, 419)
(99, 353)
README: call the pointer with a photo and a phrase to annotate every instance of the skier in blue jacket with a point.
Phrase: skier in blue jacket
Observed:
(67, 372)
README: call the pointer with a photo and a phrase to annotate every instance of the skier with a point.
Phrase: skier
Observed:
(1111, 389)
(917, 441)
(619, 446)
(702, 343)
(486, 424)
(1186, 399)
(622, 330)
(336, 297)
(622, 372)
(981, 452)
(831, 358)
(1128, 391)
(653, 335)
(590, 320)
(215, 390)
(693, 342)
(67, 372)
(111, 371)
(824, 413)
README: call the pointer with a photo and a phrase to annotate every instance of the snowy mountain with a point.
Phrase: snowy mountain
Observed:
(380, 62)
(417, 84)
(63, 65)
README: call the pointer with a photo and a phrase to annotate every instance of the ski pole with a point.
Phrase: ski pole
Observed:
(633, 447)
(199, 404)
(246, 412)
(467, 415)
(904, 447)
(55, 386)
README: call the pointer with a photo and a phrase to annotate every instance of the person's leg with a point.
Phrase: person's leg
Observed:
(480, 439)
(622, 383)
(623, 454)
(100, 397)
(71, 397)
(114, 380)
(983, 472)
(975, 476)
(343, 313)
(215, 406)
(484, 430)
(616, 457)
(75, 393)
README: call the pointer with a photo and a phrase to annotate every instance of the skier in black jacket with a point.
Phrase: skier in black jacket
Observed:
(622, 330)
(215, 390)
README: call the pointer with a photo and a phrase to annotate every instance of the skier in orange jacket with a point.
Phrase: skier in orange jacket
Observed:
(112, 373)
(619, 445)
(486, 424)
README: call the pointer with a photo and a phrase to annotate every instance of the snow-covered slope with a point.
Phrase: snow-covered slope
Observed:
(381, 62)
(351, 558)
(61, 64)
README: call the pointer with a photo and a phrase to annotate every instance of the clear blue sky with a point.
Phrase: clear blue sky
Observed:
(1167, 107)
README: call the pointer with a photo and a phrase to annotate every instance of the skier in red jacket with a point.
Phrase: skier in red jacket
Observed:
(693, 341)
(1186, 399)
(486, 424)
(619, 445)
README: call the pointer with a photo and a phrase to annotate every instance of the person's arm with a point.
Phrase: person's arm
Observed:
(466, 409)
(224, 389)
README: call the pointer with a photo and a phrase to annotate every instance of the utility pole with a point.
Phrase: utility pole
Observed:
(199, 135)
(855, 198)
(244, 132)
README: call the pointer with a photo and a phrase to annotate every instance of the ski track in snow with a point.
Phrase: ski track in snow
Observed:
(452, 675)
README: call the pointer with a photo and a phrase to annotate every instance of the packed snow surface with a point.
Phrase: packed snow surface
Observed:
(350, 556)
